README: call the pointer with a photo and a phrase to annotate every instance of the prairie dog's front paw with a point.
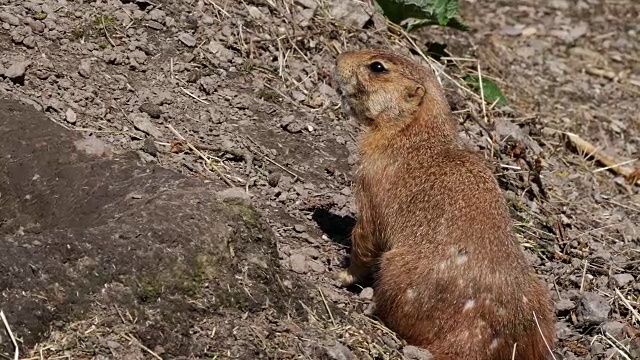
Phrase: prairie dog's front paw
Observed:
(345, 278)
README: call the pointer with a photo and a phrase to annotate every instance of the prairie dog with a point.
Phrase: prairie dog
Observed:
(433, 227)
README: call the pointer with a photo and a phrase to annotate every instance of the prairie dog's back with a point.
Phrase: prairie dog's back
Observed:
(451, 276)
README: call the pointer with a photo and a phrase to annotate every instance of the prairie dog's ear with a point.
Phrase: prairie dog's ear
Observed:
(415, 93)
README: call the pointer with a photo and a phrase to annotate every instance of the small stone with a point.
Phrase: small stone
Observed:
(154, 25)
(370, 310)
(615, 329)
(340, 352)
(220, 51)
(274, 179)
(578, 31)
(156, 15)
(29, 42)
(351, 12)
(234, 193)
(511, 30)
(560, 4)
(309, 4)
(144, 124)
(113, 345)
(92, 145)
(16, 72)
(316, 266)
(71, 116)
(299, 228)
(37, 26)
(187, 39)
(312, 252)
(150, 147)
(622, 280)
(596, 348)
(298, 263)
(366, 293)
(563, 330)
(415, 353)
(565, 305)
(152, 110)
(298, 95)
(254, 12)
(207, 20)
(84, 69)
(593, 309)
(294, 127)
(9, 18)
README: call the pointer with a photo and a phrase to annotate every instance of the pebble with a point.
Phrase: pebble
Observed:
(350, 12)
(340, 352)
(220, 51)
(298, 263)
(565, 305)
(150, 109)
(9, 18)
(593, 309)
(312, 252)
(84, 69)
(563, 330)
(294, 127)
(71, 116)
(17, 71)
(29, 42)
(254, 12)
(366, 293)
(614, 328)
(37, 26)
(415, 353)
(274, 179)
(154, 25)
(150, 147)
(299, 228)
(234, 193)
(144, 124)
(187, 39)
(622, 280)
(316, 266)
(511, 30)
(92, 145)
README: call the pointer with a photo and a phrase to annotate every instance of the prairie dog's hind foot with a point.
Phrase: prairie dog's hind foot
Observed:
(345, 278)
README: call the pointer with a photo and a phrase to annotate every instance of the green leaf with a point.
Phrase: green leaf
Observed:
(490, 90)
(414, 14)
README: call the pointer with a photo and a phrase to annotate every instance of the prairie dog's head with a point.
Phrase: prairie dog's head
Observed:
(378, 86)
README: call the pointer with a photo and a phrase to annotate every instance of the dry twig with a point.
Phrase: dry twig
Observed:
(16, 350)
(208, 162)
(588, 150)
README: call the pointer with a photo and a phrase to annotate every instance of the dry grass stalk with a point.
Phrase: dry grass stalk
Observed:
(632, 175)
(16, 353)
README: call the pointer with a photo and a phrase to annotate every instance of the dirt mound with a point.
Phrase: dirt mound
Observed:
(146, 251)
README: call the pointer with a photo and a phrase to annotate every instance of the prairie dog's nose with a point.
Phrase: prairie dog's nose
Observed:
(344, 66)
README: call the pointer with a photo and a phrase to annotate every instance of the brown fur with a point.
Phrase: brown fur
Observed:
(433, 225)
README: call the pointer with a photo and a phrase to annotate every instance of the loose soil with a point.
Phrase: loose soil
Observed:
(248, 84)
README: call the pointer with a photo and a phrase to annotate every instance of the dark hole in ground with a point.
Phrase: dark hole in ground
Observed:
(338, 228)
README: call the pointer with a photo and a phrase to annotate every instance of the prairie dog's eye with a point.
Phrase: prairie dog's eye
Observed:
(377, 67)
